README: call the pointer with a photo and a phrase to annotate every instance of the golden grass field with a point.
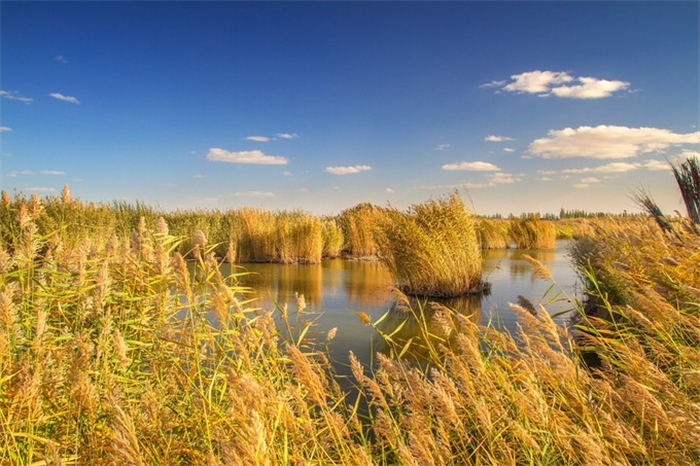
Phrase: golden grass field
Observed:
(114, 350)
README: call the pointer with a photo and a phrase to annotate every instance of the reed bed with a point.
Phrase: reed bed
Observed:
(122, 353)
(360, 226)
(333, 238)
(433, 250)
(493, 233)
(532, 233)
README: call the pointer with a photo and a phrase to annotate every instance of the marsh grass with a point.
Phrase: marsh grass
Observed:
(532, 233)
(433, 249)
(492, 233)
(118, 351)
(360, 227)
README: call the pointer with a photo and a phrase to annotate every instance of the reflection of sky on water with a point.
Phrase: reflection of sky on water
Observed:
(337, 289)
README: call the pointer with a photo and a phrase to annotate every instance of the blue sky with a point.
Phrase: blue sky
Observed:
(523, 106)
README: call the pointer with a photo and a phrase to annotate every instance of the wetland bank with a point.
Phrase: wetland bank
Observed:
(129, 335)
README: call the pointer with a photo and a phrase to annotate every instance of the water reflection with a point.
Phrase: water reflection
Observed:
(336, 290)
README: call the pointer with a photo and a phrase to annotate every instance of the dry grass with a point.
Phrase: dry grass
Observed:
(492, 233)
(119, 352)
(359, 226)
(433, 250)
(532, 233)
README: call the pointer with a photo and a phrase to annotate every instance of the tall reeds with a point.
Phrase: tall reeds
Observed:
(433, 249)
(123, 353)
(532, 233)
(492, 233)
(359, 226)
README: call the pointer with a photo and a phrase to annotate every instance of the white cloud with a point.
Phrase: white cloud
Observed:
(60, 59)
(477, 185)
(287, 173)
(287, 135)
(581, 185)
(590, 88)
(655, 165)
(442, 146)
(590, 180)
(65, 98)
(389, 190)
(254, 194)
(347, 170)
(544, 178)
(246, 156)
(559, 84)
(199, 176)
(503, 178)
(258, 138)
(690, 153)
(493, 84)
(536, 82)
(14, 95)
(5, 128)
(607, 142)
(40, 189)
(32, 173)
(494, 138)
(615, 167)
(471, 166)
(508, 149)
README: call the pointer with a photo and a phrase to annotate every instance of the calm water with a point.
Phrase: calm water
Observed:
(336, 290)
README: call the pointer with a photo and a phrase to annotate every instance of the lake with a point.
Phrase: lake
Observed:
(335, 290)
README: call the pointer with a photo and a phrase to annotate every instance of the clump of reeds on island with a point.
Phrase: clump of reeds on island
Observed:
(115, 350)
(532, 233)
(432, 249)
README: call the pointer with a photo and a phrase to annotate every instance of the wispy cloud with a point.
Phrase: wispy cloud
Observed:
(14, 174)
(40, 189)
(442, 146)
(611, 168)
(508, 149)
(52, 172)
(287, 135)
(199, 176)
(559, 84)
(14, 95)
(347, 170)
(471, 166)
(389, 190)
(246, 156)
(258, 138)
(607, 142)
(255, 194)
(494, 138)
(503, 178)
(5, 128)
(60, 59)
(65, 98)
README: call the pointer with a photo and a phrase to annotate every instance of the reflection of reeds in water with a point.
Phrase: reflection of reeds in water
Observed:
(520, 267)
(303, 280)
(364, 280)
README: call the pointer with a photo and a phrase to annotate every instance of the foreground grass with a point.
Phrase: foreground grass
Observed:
(117, 353)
